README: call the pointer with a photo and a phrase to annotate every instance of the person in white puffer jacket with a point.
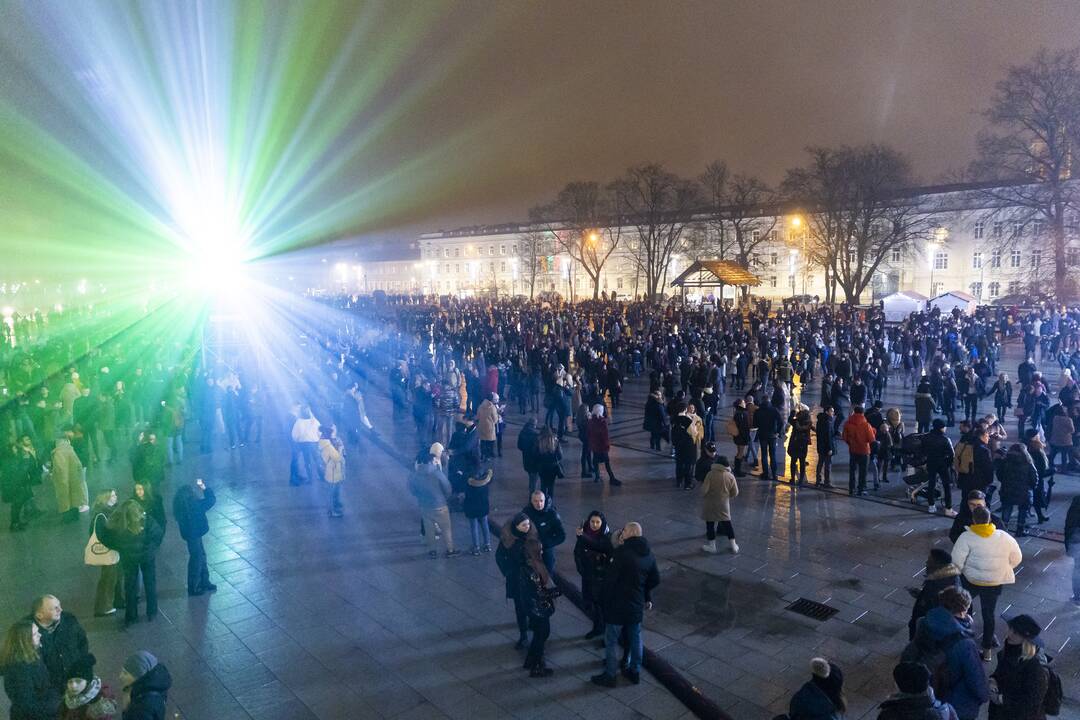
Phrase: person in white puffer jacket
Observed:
(986, 557)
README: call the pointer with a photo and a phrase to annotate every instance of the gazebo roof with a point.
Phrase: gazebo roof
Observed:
(707, 273)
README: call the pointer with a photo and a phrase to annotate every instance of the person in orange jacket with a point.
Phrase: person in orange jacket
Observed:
(859, 436)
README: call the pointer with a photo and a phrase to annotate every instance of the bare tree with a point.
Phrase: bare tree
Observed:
(856, 212)
(1033, 126)
(532, 247)
(658, 205)
(578, 219)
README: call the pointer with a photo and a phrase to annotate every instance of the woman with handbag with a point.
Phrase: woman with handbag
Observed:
(137, 538)
(110, 586)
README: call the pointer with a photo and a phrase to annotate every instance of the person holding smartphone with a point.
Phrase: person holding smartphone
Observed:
(190, 505)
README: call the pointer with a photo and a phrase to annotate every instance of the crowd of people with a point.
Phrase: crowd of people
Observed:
(458, 369)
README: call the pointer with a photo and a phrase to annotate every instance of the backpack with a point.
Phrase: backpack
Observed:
(1054, 693)
(964, 460)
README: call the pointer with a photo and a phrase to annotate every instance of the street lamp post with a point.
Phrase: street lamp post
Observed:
(791, 270)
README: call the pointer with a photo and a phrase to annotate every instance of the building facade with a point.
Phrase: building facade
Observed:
(967, 244)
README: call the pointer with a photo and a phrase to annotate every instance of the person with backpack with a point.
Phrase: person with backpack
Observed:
(1022, 686)
(986, 557)
(915, 699)
(944, 643)
(940, 574)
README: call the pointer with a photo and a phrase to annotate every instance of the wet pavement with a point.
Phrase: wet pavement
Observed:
(347, 618)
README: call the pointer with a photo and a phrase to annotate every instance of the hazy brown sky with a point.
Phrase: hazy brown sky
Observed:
(565, 90)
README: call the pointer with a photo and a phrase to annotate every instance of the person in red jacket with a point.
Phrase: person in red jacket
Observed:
(859, 436)
(600, 444)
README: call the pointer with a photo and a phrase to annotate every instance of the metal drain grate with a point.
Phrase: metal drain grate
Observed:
(812, 609)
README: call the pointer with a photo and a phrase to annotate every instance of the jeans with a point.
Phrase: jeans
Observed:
(174, 448)
(548, 556)
(611, 641)
(1021, 515)
(197, 574)
(148, 568)
(309, 454)
(823, 470)
(335, 497)
(857, 465)
(988, 597)
(768, 456)
(480, 531)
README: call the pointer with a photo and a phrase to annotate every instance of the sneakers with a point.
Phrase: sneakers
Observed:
(734, 547)
(476, 552)
(110, 611)
(949, 512)
(987, 655)
(709, 547)
(486, 548)
(453, 553)
(932, 509)
(603, 680)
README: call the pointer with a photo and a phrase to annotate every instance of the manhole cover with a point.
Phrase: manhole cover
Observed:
(812, 609)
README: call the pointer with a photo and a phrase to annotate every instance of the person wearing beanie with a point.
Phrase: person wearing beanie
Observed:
(941, 573)
(146, 684)
(705, 462)
(428, 484)
(987, 557)
(717, 489)
(1019, 683)
(822, 696)
(915, 698)
(938, 449)
(859, 437)
(599, 442)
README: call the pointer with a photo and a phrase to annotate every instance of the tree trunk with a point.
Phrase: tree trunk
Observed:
(596, 287)
(1060, 268)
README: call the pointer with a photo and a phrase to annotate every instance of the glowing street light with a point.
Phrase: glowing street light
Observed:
(795, 221)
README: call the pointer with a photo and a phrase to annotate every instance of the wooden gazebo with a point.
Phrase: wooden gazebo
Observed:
(715, 273)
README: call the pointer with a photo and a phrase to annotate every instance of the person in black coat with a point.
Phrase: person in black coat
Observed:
(627, 595)
(940, 574)
(592, 556)
(26, 679)
(548, 524)
(137, 538)
(974, 499)
(656, 420)
(769, 426)
(477, 506)
(526, 443)
(146, 684)
(826, 446)
(704, 463)
(190, 506)
(64, 647)
(1019, 479)
(938, 449)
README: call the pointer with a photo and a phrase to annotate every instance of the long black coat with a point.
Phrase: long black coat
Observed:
(656, 417)
(31, 693)
(190, 512)
(768, 421)
(592, 556)
(630, 582)
(133, 549)
(1018, 480)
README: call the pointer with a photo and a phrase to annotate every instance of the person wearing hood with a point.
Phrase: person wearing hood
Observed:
(548, 524)
(717, 490)
(944, 643)
(1019, 683)
(1019, 478)
(599, 443)
(826, 447)
(146, 684)
(799, 443)
(627, 595)
(822, 696)
(190, 505)
(527, 444)
(859, 436)
(986, 557)
(656, 421)
(548, 461)
(592, 556)
(1072, 544)
(975, 498)
(914, 699)
(938, 449)
(477, 507)
(519, 560)
(429, 486)
(940, 574)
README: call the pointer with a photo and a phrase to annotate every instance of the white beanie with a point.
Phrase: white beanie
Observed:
(820, 667)
(598, 410)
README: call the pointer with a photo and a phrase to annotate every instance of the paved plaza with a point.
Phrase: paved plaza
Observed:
(323, 618)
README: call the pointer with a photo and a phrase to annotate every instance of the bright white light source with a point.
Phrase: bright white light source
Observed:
(217, 271)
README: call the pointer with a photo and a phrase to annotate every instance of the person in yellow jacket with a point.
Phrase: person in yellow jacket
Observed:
(332, 451)
(69, 481)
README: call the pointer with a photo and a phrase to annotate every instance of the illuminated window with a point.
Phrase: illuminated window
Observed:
(755, 235)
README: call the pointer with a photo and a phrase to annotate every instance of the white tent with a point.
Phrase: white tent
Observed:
(900, 305)
(955, 299)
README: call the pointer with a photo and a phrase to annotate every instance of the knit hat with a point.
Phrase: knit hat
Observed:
(939, 424)
(1026, 627)
(598, 410)
(436, 449)
(139, 663)
(911, 677)
(819, 667)
(517, 520)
